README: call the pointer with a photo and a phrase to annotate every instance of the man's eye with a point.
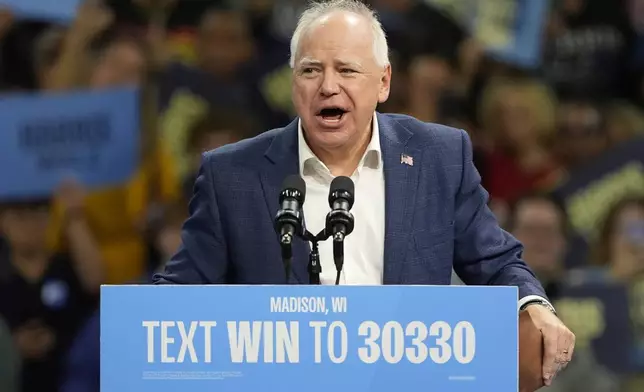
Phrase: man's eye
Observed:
(347, 71)
(307, 70)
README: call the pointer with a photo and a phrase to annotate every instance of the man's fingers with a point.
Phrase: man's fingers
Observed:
(550, 341)
(566, 346)
(559, 345)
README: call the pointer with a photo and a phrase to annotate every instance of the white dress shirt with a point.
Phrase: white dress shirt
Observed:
(364, 247)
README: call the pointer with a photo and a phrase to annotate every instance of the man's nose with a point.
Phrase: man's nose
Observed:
(330, 84)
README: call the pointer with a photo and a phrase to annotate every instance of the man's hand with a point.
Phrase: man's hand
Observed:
(558, 341)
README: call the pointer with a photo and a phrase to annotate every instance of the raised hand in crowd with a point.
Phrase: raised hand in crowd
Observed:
(83, 247)
(92, 19)
(71, 195)
(156, 35)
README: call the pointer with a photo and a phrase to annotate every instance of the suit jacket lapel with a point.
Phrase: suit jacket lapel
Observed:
(282, 161)
(401, 169)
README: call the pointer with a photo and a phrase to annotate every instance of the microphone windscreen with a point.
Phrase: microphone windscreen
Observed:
(295, 183)
(342, 183)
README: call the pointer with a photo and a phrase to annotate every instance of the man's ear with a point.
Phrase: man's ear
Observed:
(385, 85)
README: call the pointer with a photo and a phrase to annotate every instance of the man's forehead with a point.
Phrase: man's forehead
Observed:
(341, 25)
(340, 36)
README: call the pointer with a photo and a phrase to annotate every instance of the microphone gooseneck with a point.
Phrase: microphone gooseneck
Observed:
(339, 222)
(288, 221)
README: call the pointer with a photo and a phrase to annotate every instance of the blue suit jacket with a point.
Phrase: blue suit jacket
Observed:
(436, 214)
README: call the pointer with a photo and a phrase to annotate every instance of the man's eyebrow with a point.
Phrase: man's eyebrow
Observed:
(351, 64)
(309, 61)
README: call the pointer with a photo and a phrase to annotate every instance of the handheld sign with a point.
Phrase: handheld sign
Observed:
(313, 338)
(92, 136)
(592, 190)
(511, 30)
(55, 11)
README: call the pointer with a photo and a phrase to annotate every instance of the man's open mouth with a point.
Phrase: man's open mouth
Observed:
(332, 113)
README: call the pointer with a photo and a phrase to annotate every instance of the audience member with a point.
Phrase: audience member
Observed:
(620, 246)
(218, 127)
(47, 296)
(582, 134)
(540, 223)
(519, 114)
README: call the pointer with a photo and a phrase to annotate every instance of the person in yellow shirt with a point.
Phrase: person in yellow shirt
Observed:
(117, 217)
(89, 56)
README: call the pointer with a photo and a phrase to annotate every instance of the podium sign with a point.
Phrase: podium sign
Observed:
(312, 338)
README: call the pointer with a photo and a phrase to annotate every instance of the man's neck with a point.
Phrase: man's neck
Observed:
(345, 161)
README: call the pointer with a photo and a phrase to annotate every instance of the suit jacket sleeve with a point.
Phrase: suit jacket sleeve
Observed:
(484, 253)
(202, 257)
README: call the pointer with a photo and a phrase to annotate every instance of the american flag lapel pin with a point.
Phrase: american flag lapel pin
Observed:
(407, 159)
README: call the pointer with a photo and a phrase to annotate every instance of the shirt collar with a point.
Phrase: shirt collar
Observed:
(373, 148)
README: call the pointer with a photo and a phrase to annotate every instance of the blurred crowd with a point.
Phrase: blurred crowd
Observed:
(559, 144)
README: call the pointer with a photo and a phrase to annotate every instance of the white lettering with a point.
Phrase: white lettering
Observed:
(287, 342)
(279, 341)
(242, 342)
(339, 304)
(418, 331)
(371, 353)
(317, 333)
(389, 342)
(150, 325)
(187, 335)
(393, 348)
(464, 351)
(298, 305)
(187, 343)
(343, 342)
(207, 331)
(166, 341)
(443, 332)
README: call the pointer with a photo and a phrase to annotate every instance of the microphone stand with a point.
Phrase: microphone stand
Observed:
(314, 267)
(287, 255)
(338, 255)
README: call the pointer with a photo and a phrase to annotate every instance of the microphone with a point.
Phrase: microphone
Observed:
(339, 222)
(288, 221)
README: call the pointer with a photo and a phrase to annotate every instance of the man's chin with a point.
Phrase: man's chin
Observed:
(327, 139)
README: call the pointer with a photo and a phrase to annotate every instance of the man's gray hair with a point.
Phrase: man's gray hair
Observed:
(323, 8)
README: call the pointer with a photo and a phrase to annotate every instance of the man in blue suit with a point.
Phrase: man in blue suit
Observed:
(420, 209)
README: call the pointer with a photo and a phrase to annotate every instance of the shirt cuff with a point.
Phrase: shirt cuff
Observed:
(530, 298)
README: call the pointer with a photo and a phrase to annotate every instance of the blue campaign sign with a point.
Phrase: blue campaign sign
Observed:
(313, 338)
(92, 136)
(52, 10)
(511, 30)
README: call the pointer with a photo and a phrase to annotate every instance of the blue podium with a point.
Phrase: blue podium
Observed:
(312, 338)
